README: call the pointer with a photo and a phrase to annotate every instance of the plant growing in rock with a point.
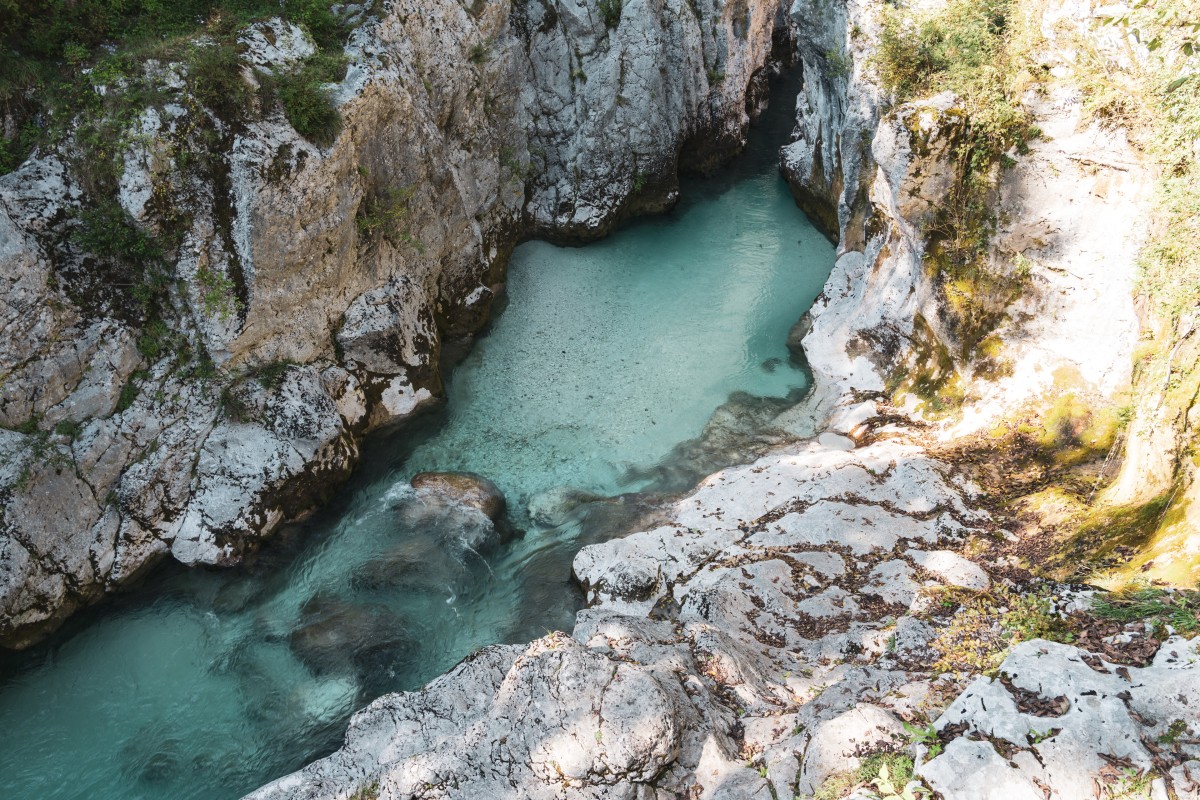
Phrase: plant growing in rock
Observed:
(1179, 608)
(218, 293)
(307, 100)
(383, 213)
(610, 12)
(895, 788)
(270, 376)
(888, 773)
(986, 627)
(479, 54)
(927, 736)
(367, 791)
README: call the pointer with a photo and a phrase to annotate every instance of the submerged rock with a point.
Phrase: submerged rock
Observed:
(420, 563)
(457, 526)
(464, 488)
(338, 636)
(552, 508)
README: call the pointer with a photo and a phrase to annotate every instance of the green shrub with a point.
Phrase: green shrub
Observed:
(308, 102)
(270, 376)
(881, 774)
(610, 12)
(132, 258)
(987, 626)
(218, 293)
(154, 340)
(967, 47)
(383, 212)
(69, 428)
(479, 53)
(215, 78)
(129, 393)
(14, 151)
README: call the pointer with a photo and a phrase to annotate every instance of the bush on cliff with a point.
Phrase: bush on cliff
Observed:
(52, 50)
(970, 47)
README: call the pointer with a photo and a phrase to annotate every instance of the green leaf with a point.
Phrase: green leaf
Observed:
(1175, 84)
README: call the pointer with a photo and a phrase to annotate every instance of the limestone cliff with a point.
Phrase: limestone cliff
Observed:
(780, 630)
(312, 286)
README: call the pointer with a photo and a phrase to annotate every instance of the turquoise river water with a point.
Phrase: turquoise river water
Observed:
(206, 684)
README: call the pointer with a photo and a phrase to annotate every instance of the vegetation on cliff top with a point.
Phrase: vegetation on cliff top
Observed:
(977, 50)
(1139, 71)
(56, 56)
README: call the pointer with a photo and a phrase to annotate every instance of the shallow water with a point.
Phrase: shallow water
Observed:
(208, 684)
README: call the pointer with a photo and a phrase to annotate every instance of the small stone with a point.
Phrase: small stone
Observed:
(835, 441)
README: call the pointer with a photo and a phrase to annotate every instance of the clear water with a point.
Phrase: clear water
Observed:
(207, 684)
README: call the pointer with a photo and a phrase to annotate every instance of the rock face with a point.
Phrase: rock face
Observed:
(1065, 235)
(748, 624)
(1109, 722)
(296, 323)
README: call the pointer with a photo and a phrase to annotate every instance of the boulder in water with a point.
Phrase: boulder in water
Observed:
(463, 488)
(417, 564)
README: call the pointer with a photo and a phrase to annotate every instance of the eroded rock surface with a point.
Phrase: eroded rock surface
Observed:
(773, 634)
(296, 322)
(1058, 723)
(746, 627)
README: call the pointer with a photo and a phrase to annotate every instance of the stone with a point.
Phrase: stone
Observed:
(464, 488)
(912, 640)
(839, 744)
(892, 582)
(334, 636)
(952, 569)
(552, 508)
(835, 441)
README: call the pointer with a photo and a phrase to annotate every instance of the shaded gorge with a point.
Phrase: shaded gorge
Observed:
(617, 372)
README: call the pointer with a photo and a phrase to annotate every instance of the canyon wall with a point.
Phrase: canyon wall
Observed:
(780, 627)
(311, 287)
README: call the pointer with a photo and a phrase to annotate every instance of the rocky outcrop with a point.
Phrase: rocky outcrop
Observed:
(1063, 252)
(1060, 720)
(312, 286)
(746, 628)
(828, 165)
(772, 636)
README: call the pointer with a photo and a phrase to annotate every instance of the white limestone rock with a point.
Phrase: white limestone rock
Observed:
(1106, 711)
(952, 569)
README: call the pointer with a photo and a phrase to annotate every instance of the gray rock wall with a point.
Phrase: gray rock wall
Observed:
(476, 127)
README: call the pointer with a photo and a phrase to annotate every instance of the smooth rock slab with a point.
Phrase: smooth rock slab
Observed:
(952, 569)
